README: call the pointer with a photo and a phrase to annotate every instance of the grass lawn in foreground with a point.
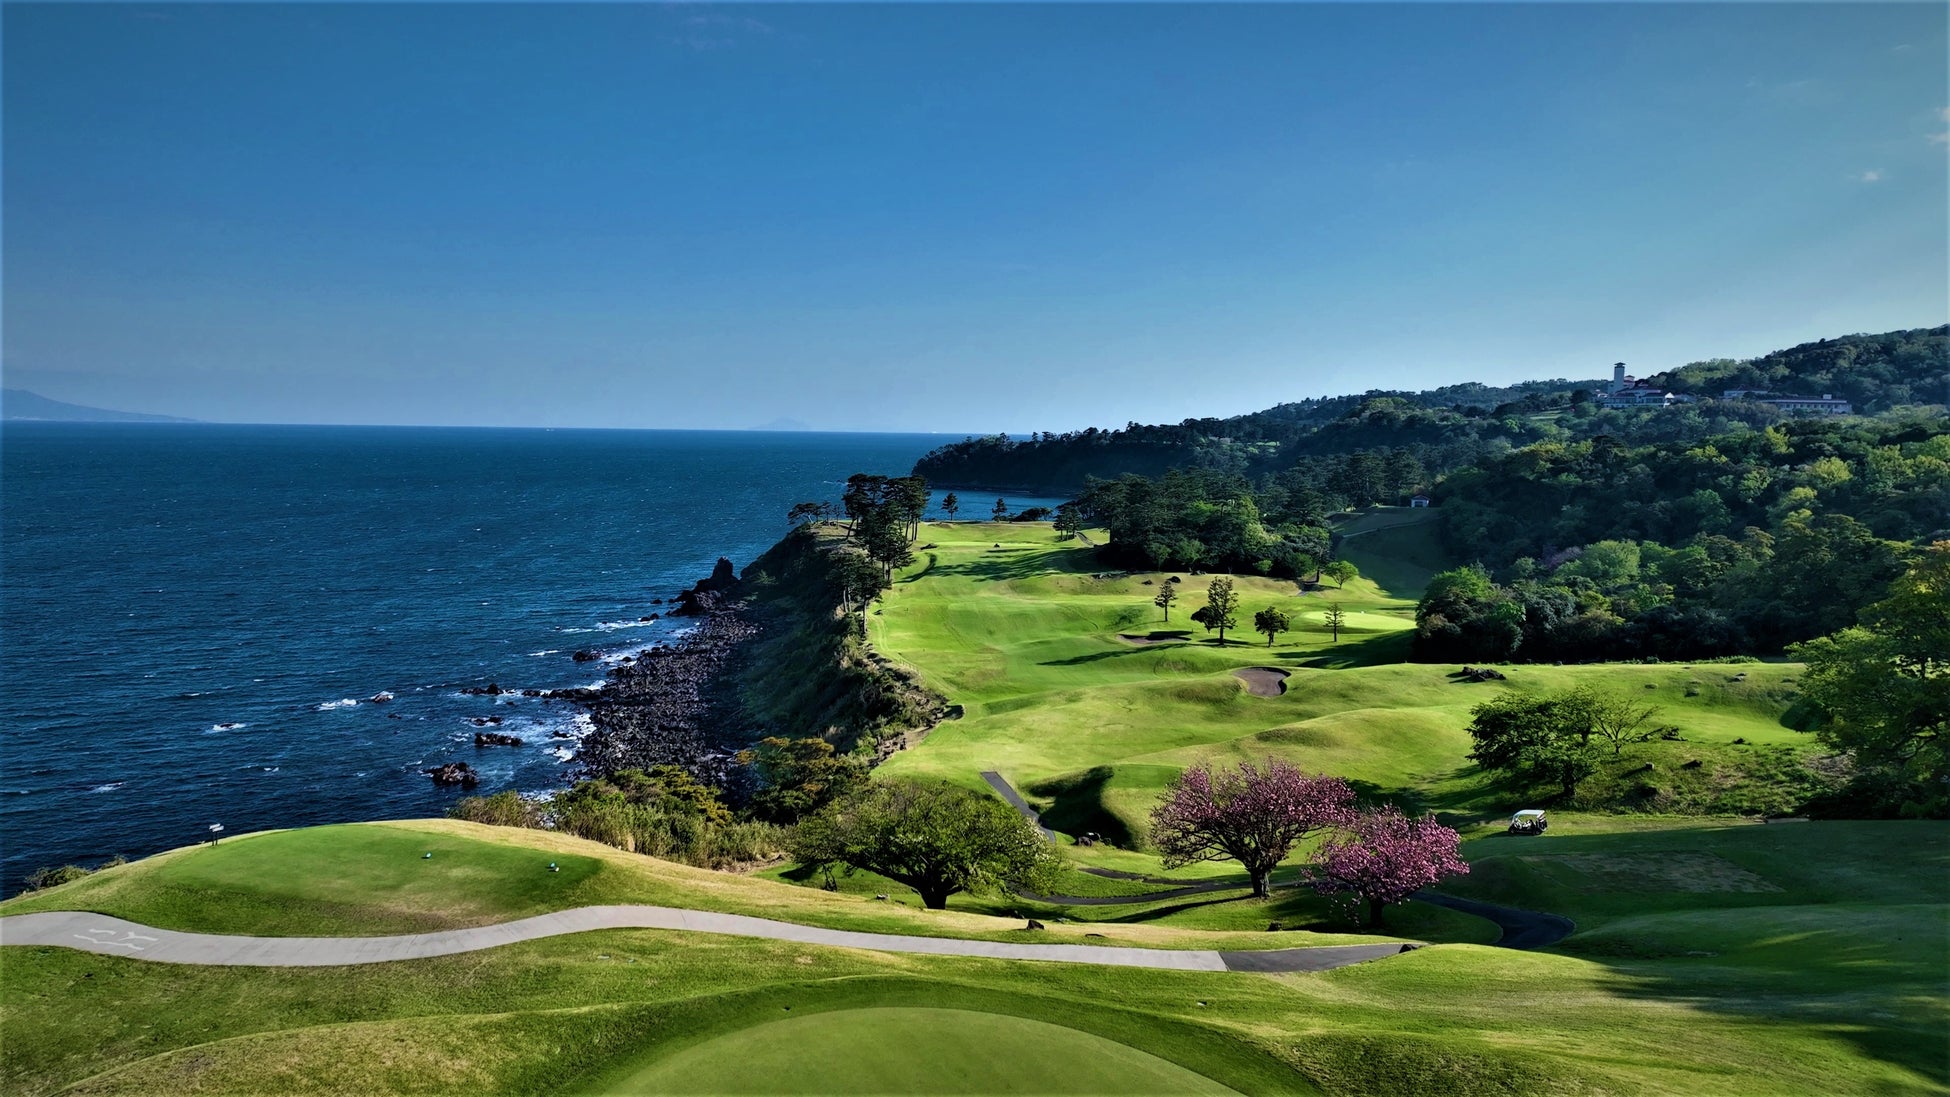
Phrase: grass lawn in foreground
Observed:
(892, 1051)
(1836, 990)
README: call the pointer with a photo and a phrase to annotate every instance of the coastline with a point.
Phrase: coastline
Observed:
(773, 654)
(670, 704)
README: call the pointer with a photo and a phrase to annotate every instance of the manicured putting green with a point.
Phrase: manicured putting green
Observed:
(919, 1051)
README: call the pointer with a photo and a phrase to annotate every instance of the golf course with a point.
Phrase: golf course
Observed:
(1709, 952)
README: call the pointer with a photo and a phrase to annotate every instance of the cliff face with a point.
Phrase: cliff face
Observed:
(773, 655)
(810, 672)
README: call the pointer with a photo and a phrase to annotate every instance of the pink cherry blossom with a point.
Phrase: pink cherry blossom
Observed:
(1384, 857)
(1251, 816)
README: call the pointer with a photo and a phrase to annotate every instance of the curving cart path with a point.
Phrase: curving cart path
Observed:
(113, 936)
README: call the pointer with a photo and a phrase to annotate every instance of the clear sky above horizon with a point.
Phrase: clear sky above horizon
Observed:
(944, 217)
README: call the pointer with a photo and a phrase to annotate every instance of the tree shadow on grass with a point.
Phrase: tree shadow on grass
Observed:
(911, 577)
(1373, 650)
(1114, 653)
(998, 565)
(1078, 806)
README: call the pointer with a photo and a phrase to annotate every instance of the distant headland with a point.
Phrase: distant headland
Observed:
(20, 404)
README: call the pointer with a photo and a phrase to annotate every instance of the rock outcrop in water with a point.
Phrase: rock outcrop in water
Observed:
(455, 773)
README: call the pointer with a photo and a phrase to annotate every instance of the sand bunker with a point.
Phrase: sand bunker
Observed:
(1263, 681)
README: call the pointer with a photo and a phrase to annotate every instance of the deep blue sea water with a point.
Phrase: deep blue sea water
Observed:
(193, 618)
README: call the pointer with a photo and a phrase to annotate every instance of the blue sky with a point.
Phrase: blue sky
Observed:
(944, 217)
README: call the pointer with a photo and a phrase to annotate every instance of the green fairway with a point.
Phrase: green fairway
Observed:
(1711, 960)
(897, 1051)
(1395, 547)
(1075, 689)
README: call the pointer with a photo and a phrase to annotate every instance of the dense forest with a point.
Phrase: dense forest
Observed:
(1715, 528)
(1452, 427)
(1747, 542)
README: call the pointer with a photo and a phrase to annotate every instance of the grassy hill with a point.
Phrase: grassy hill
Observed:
(1075, 689)
(1848, 1008)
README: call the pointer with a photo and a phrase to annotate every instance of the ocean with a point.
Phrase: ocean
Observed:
(195, 619)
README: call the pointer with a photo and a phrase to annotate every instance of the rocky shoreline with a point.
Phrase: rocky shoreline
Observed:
(673, 703)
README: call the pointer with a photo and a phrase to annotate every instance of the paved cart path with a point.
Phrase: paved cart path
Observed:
(114, 936)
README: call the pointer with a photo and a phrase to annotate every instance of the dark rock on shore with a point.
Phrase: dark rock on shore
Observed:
(455, 773)
(672, 703)
(584, 655)
(495, 739)
(489, 690)
(670, 706)
(710, 594)
(486, 721)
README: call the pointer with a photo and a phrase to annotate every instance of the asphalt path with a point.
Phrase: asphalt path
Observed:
(99, 933)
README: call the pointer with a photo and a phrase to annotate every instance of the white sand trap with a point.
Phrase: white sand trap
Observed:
(1263, 681)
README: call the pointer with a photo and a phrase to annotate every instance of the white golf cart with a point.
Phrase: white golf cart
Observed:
(1528, 821)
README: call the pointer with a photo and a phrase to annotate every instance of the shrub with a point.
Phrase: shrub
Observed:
(44, 877)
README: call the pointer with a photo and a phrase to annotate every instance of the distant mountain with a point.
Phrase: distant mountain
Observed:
(784, 424)
(21, 404)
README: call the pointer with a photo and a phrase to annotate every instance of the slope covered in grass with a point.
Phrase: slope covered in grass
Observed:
(582, 1014)
(1075, 688)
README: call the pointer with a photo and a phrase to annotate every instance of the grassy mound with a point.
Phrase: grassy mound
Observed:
(882, 1050)
(364, 879)
(1035, 646)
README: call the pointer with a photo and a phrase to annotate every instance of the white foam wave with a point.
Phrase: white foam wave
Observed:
(546, 651)
(231, 725)
(343, 702)
(613, 626)
(110, 787)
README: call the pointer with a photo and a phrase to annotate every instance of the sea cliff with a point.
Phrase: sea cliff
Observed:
(774, 653)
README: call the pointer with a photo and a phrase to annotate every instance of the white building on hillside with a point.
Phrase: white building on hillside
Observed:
(1630, 392)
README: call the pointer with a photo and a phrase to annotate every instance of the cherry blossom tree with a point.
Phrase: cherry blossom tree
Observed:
(1384, 857)
(1251, 816)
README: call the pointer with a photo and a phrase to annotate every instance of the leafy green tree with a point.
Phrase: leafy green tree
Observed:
(938, 839)
(1221, 606)
(1616, 719)
(860, 580)
(1885, 685)
(951, 505)
(1334, 618)
(1271, 621)
(909, 496)
(1000, 511)
(1340, 571)
(1069, 521)
(865, 495)
(1465, 616)
(1167, 594)
(800, 776)
(886, 541)
(1533, 738)
(809, 513)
